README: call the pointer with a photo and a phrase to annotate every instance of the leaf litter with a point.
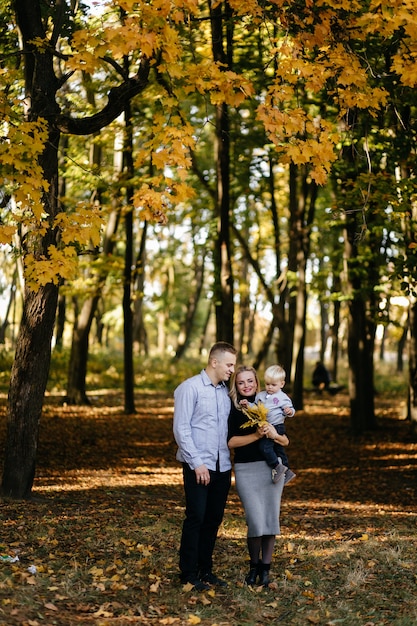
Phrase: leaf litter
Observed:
(98, 542)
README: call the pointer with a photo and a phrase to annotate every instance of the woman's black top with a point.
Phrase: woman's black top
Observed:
(244, 454)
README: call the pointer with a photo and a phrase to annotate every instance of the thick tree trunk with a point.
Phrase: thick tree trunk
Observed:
(223, 289)
(27, 387)
(361, 338)
(224, 305)
(361, 341)
(33, 349)
(128, 168)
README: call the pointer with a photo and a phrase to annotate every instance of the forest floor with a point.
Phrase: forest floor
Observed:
(98, 542)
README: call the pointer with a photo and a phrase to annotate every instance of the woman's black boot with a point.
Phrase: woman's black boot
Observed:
(250, 579)
(264, 574)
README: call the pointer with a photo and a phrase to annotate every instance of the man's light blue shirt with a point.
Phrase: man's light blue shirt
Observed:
(201, 414)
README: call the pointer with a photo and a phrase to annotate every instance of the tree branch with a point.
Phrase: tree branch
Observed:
(117, 98)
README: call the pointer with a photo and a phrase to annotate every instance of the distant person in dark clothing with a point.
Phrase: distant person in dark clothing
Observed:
(321, 377)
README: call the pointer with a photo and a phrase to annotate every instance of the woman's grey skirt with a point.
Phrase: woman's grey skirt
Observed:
(261, 498)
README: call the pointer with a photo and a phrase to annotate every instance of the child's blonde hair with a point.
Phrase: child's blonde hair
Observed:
(274, 374)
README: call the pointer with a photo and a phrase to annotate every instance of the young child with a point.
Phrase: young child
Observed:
(279, 407)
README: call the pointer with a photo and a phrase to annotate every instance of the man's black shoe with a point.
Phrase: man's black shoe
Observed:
(212, 579)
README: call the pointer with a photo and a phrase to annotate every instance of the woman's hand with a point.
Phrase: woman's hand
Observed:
(268, 431)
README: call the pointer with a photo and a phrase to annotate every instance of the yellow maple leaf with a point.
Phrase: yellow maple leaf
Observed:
(6, 234)
(256, 415)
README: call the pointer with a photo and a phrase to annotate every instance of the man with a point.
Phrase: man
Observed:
(320, 377)
(202, 407)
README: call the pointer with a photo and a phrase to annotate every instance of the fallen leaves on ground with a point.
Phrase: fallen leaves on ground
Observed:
(98, 543)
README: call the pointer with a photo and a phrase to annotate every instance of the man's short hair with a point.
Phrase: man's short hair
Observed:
(220, 348)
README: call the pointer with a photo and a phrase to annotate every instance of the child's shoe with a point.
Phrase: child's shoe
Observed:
(289, 475)
(277, 472)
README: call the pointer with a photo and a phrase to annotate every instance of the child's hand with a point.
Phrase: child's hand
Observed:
(244, 403)
(288, 410)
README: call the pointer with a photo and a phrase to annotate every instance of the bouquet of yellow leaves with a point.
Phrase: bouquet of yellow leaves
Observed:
(256, 415)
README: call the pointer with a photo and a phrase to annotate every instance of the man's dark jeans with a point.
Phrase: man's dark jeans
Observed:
(204, 510)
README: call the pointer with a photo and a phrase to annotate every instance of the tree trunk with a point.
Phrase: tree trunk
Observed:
(129, 374)
(412, 366)
(335, 331)
(400, 348)
(303, 196)
(264, 349)
(223, 279)
(33, 349)
(203, 338)
(187, 327)
(128, 318)
(245, 313)
(77, 368)
(140, 336)
(361, 369)
(5, 322)
(27, 387)
(60, 321)
(324, 335)
(361, 340)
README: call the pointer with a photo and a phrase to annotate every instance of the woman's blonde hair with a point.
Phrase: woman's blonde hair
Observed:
(233, 391)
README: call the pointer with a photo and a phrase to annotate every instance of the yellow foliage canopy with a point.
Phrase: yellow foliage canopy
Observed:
(307, 58)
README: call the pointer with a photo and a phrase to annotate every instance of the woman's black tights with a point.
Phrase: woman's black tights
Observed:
(261, 548)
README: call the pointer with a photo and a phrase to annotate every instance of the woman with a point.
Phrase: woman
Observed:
(261, 498)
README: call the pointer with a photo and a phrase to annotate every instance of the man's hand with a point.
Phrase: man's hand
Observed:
(202, 475)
